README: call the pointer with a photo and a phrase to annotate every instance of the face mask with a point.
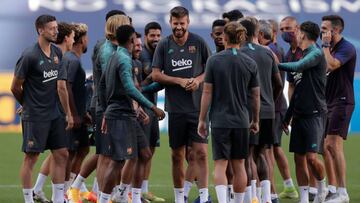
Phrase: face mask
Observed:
(288, 37)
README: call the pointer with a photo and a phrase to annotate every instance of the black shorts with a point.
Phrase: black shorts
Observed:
(265, 135)
(41, 135)
(151, 130)
(183, 129)
(278, 130)
(77, 138)
(230, 143)
(338, 120)
(101, 141)
(126, 137)
(307, 134)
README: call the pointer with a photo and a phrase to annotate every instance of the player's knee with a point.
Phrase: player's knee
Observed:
(311, 159)
(177, 158)
(145, 155)
(60, 156)
(30, 159)
(201, 155)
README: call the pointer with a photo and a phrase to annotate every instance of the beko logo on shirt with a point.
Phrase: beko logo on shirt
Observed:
(50, 75)
(182, 64)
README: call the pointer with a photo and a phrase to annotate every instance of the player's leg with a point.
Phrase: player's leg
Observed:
(190, 172)
(200, 151)
(302, 176)
(177, 141)
(229, 177)
(39, 194)
(144, 158)
(111, 175)
(330, 169)
(26, 169)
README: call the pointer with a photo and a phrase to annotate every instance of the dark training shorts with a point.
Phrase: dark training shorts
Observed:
(278, 130)
(307, 134)
(101, 141)
(151, 130)
(265, 135)
(41, 135)
(230, 143)
(338, 120)
(183, 129)
(126, 138)
(77, 138)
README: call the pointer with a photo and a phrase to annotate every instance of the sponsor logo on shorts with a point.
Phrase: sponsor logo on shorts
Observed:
(181, 64)
(30, 144)
(129, 150)
(50, 75)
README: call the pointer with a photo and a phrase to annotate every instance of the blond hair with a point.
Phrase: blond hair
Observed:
(80, 30)
(235, 32)
(113, 23)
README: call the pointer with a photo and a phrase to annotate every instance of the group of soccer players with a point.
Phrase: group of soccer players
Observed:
(237, 91)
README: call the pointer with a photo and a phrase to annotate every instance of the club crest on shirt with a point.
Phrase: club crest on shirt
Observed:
(56, 59)
(41, 62)
(192, 49)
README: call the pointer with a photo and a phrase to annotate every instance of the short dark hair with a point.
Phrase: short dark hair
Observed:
(124, 33)
(138, 35)
(152, 25)
(42, 20)
(311, 30)
(233, 15)
(250, 28)
(65, 29)
(336, 21)
(179, 12)
(114, 12)
(218, 22)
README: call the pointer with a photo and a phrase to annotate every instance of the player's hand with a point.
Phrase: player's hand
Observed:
(87, 119)
(192, 85)
(142, 115)
(202, 129)
(254, 127)
(326, 37)
(70, 122)
(77, 121)
(19, 110)
(160, 114)
(103, 126)
(285, 128)
(184, 82)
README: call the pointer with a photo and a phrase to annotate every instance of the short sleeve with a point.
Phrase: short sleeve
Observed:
(344, 54)
(63, 70)
(205, 52)
(254, 80)
(22, 66)
(158, 60)
(72, 69)
(209, 75)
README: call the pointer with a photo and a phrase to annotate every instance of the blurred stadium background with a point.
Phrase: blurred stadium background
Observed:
(17, 32)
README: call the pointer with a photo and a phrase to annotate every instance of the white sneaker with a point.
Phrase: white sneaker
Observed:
(40, 197)
(118, 198)
(339, 199)
(320, 197)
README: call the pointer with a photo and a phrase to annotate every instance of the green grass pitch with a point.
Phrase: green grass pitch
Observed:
(160, 180)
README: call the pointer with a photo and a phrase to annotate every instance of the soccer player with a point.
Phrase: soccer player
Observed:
(65, 41)
(340, 55)
(78, 140)
(270, 90)
(35, 87)
(152, 38)
(217, 31)
(225, 93)
(280, 110)
(309, 111)
(179, 64)
(288, 28)
(120, 119)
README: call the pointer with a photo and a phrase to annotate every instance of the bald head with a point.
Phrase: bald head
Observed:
(288, 24)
